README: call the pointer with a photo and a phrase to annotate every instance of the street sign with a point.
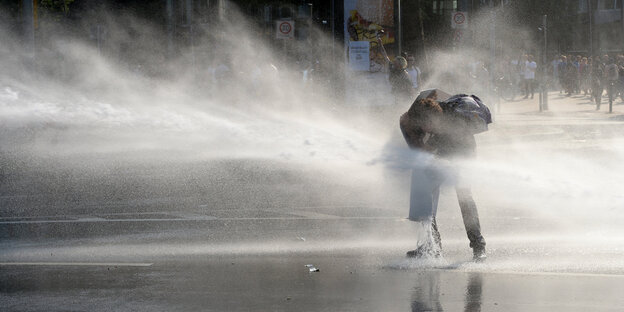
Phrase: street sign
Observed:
(458, 35)
(285, 29)
(459, 20)
(359, 55)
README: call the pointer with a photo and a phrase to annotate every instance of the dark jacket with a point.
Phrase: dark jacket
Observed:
(450, 139)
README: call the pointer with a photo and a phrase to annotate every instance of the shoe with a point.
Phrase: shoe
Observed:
(424, 252)
(478, 254)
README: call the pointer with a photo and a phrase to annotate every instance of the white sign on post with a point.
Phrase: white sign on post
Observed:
(458, 35)
(459, 20)
(285, 29)
(359, 55)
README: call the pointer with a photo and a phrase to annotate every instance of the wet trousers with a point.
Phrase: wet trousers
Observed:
(470, 217)
(424, 195)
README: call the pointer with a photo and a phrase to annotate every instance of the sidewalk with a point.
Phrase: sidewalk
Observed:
(559, 105)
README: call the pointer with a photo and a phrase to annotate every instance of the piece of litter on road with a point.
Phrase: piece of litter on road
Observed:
(301, 238)
(312, 268)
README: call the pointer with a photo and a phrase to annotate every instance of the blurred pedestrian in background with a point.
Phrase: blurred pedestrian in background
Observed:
(620, 63)
(561, 72)
(415, 74)
(571, 76)
(612, 76)
(399, 79)
(577, 82)
(596, 80)
(529, 76)
(521, 71)
(584, 75)
(553, 72)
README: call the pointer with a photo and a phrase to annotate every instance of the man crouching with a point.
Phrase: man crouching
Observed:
(445, 130)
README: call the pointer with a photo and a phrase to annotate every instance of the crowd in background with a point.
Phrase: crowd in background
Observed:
(569, 74)
(591, 76)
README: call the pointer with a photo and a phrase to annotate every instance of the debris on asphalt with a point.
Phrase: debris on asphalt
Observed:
(312, 268)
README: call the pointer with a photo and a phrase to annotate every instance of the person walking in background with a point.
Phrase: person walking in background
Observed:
(521, 68)
(561, 71)
(553, 72)
(596, 81)
(571, 75)
(529, 76)
(223, 73)
(399, 79)
(584, 76)
(612, 77)
(577, 82)
(620, 63)
(415, 74)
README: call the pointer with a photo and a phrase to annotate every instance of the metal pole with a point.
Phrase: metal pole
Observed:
(461, 5)
(422, 33)
(492, 47)
(29, 27)
(189, 23)
(333, 30)
(492, 33)
(189, 12)
(545, 67)
(220, 10)
(591, 30)
(98, 34)
(170, 27)
(399, 28)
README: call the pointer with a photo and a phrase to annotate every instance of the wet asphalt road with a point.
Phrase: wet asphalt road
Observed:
(122, 233)
(283, 283)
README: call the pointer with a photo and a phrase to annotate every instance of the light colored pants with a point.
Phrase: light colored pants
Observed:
(424, 195)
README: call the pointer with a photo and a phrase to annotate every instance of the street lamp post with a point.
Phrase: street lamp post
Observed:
(493, 61)
(399, 28)
(545, 67)
(189, 23)
(29, 27)
(590, 15)
(170, 28)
